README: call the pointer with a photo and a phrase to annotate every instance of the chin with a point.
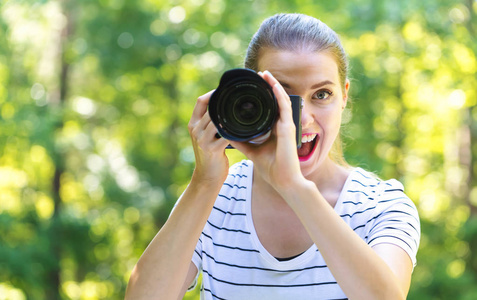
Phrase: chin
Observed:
(311, 163)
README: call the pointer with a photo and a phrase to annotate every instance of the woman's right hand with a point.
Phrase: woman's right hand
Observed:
(276, 160)
(211, 163)
(165, 270)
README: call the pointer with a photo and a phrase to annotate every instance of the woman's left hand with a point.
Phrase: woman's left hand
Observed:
(276, 159)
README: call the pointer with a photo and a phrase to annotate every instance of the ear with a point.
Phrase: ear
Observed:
(345, 94)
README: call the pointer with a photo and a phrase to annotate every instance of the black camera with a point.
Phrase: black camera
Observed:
(244, 108)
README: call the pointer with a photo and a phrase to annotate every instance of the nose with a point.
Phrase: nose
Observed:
(306, 116)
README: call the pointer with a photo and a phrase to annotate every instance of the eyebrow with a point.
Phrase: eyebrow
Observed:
(315, 86)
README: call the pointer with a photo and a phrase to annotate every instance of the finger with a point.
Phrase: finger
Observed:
(214, 139)
(284, 103)
(203, 122)
(199, 130)
(206, 129)
(269, 78)
(206, 140)
(200, 107)
(245, 148)
(283, 99)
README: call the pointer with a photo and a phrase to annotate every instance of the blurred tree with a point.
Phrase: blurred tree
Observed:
(94, 150)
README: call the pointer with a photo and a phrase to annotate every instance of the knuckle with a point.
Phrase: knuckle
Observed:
(202, 99)
(202, 143)
(190, 126)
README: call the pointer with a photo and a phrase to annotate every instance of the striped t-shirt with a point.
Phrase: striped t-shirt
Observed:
(235, 265)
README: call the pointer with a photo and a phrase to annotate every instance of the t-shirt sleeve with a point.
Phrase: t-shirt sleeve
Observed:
(396, 221)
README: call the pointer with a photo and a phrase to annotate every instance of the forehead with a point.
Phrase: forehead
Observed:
(299, 65)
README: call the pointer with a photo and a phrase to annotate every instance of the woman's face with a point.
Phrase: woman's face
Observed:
(313, 76)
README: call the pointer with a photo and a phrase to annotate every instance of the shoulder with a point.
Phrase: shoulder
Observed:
(241, 167)
(240, 172)
(366, 191)
(372, 186)
(238, 182)
(383, 199)
(391, 216)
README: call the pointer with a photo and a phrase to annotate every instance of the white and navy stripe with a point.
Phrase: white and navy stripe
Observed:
(235, 265)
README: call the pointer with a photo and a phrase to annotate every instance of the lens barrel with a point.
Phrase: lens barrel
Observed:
(243, 107)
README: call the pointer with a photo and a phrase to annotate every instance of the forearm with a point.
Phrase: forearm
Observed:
(358, 269)
(163, 267)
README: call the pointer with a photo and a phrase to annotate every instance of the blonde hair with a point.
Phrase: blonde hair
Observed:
(298, 32)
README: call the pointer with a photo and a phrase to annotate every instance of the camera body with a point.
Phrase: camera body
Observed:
(243, 107)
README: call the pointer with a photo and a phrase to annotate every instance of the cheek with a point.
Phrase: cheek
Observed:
(330, 119)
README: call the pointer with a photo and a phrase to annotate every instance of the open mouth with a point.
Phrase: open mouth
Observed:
(308, 145)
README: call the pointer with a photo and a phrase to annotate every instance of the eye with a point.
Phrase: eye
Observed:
(322, 95)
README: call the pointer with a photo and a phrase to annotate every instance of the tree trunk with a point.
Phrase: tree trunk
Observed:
(56, 234)
(468, 152)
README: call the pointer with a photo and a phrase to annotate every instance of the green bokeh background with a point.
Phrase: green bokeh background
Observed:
(95, 97)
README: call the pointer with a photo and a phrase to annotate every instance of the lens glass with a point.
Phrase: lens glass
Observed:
(247, 110)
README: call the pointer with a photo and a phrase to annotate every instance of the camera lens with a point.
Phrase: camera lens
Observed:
(243, 111)
(243, 106)
(247, 110)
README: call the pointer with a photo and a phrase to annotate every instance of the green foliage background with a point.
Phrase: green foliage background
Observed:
(94, 151)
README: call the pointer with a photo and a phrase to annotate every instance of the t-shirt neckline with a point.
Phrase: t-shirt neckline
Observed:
(265, 255)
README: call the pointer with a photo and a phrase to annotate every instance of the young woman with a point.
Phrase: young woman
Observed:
(287, 223)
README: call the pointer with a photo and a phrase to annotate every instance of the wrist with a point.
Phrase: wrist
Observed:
(200, 192)
(293, 188)
(303, 196)
(205, 182)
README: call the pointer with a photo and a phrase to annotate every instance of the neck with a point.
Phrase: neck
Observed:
(329, 176)
(260, 188)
